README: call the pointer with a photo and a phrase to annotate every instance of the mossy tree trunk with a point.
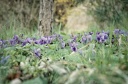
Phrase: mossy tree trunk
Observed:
(45, 17)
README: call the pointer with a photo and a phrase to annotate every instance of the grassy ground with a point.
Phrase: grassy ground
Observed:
(91, 63)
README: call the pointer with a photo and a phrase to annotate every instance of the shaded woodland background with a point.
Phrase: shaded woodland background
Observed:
(23, 14)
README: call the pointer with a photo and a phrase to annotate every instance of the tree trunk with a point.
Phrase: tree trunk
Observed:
(45, 17)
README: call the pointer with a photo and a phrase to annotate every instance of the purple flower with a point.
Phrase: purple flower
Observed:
(102, 37)
(90, 33)
(24, 43)
(37, 52)
(15, 37)
(74, 38)
(15, 40)
(12, 42)
(83, 39)
(60, 38)
(73, 46)
(118, 31)
(4, 59)
(54, 36)
(49, 40)
(1, 43)
(37, 41)
(29, 40)
(62, 44)
(89, 38)
(43, 40)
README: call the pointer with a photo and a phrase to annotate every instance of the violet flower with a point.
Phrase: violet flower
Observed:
(44, 40)
(118, 31)
(90, 33)
(60, 38)
(49, 40)
(37, 52)
(89, 38)
(15, 37)
(54, 36)
(102, 37)
(1, 43)
(15, 40)
(73, 46)
(37, 41)
(74, 38)
(24, 43)
(62, 45)
(12, 42)
(83, 39)
(29, 40)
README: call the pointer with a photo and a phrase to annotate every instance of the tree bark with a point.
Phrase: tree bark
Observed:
(45, 17)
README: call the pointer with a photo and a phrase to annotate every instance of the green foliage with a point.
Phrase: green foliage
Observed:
(108, 11)
(93, 63)
(22, 13)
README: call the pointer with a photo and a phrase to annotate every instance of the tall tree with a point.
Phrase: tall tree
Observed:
(45, 17)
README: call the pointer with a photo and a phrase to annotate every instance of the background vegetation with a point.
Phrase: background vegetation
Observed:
(23, 14)
(96, 57)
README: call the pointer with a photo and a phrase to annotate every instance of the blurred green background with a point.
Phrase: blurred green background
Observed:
(21, 16)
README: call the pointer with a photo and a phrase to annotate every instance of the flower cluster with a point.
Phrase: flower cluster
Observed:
(86, 37)
(102, 37)
(41, 41)
(118, 31)
(15, 40)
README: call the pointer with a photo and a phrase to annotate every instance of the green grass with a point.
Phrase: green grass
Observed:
(97, 64)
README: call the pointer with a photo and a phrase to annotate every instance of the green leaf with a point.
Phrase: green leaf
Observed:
(35, 81)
